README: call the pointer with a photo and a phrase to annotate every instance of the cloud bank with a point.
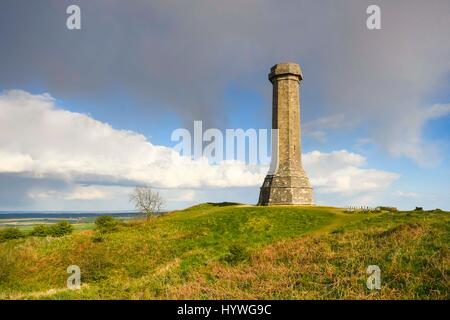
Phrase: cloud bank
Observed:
(342, 172)
(86, 159)
(39, 139)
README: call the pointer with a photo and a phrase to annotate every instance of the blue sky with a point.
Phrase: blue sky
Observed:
(375, 104)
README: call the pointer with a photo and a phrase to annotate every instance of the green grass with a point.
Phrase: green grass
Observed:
(76, 227)
(231, 251)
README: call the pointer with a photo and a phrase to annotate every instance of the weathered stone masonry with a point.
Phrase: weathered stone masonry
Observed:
(286, 183)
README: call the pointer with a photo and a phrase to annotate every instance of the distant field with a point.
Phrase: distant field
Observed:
(229, 251)
(26, 221)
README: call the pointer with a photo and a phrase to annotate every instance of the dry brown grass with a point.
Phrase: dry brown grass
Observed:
(332, 267)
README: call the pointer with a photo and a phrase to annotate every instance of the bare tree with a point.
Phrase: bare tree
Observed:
(146, 201)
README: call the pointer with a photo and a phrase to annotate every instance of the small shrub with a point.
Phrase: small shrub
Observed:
(60, 229)
(236, 253)
(418, 209)
(97, 237)
(10, 234)
(39, 231)
(106, 224)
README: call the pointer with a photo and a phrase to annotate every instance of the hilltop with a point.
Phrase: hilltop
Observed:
(233, 251)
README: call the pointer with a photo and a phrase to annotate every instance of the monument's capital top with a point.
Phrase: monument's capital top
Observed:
(286, 69)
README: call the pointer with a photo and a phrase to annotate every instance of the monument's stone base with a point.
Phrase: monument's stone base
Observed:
(285, 190)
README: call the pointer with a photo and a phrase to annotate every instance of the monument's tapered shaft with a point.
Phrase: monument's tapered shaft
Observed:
(286, 182)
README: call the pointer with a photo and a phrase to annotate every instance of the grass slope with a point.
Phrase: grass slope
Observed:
(231, 251)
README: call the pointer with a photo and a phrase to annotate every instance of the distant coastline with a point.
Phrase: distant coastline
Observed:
(31, 218)
(63, 214)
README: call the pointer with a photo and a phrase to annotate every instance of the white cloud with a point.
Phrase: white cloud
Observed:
(39, 139)
(13, 162)
(180, 195)
(403, 194)
(344, 173)
(78, 192)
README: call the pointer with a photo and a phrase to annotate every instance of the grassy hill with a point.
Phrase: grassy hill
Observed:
(231, 251)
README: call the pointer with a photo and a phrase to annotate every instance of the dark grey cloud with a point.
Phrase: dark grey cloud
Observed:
(180, 54)
(15, 190)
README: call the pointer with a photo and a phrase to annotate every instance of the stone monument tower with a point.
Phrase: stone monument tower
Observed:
(286, 183)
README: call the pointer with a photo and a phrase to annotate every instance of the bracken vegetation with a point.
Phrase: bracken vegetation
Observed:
(231, 251)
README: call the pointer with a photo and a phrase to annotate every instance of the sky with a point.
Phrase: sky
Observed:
(86, 115)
